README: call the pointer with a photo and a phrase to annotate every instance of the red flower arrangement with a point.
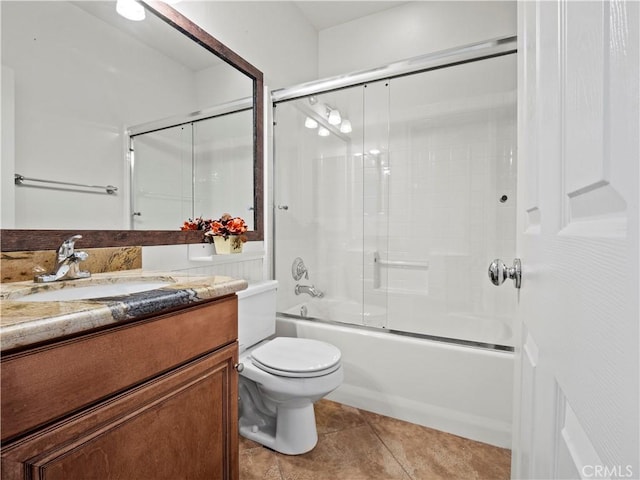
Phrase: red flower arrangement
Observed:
(197, 223)
(226, 226)
(223, 227)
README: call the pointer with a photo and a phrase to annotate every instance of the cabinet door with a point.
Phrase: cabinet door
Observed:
(181, 425)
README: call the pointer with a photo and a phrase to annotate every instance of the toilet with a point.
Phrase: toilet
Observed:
(280, 378)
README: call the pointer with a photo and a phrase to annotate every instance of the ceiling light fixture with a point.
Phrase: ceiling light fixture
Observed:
(334, 117)
(323, 132)
(310, 123)
(345, 126)
(130, 9)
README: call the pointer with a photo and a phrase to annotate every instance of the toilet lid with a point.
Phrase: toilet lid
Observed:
(297, 357)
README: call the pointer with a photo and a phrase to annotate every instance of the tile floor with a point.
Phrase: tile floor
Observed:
(357, 445)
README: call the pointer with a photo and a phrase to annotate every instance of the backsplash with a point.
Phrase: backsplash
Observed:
(20, 266)
(198, 259)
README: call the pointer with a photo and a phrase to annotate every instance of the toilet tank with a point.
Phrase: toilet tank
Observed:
(256, 313)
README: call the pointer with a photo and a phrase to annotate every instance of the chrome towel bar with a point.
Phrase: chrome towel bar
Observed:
(398, 263)
(378, 263)
(20, 179)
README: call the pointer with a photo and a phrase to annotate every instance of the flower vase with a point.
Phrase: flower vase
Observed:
(225, 246)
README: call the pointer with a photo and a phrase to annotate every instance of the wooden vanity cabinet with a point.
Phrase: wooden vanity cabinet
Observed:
(153, 399)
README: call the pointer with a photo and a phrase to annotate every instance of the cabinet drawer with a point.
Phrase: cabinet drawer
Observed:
(43, 384)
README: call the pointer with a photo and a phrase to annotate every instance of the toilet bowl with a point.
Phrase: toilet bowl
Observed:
(280, 378)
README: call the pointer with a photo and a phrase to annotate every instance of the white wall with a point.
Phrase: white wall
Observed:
(7, 156)
(220, 84)
(273, 36)
(410, 30)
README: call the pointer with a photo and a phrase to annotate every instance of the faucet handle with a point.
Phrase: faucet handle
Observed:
(72, 239)
(81, 256)
(66, 249)
(298, 269)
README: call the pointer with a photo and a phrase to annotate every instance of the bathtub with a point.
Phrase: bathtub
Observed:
(463, 328)
(457, 388)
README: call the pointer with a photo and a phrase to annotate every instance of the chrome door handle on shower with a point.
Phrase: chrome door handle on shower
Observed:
(499, 272)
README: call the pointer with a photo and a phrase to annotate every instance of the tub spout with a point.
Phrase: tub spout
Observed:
(309, 290)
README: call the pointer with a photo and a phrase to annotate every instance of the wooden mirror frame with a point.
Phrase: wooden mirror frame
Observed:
(12, 240)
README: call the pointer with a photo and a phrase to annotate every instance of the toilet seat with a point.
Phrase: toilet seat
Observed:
(296, 357)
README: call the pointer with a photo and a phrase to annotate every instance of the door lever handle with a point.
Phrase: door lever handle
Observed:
(499, 272)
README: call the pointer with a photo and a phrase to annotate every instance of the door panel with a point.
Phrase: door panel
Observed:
(577, 405)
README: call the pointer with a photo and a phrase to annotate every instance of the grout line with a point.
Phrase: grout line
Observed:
(370, 425)
(391, 453)
(279, 469)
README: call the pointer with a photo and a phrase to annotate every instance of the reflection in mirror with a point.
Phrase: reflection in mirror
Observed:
(75, 77)
(202, 168)
(223, 167)
(161, 178)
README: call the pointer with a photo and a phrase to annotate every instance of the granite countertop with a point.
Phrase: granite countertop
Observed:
(23, 323)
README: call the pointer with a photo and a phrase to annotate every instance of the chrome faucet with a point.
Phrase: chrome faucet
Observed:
(68, 263)
(309, 290)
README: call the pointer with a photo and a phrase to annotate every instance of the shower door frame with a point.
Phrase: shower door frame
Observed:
(432, 61)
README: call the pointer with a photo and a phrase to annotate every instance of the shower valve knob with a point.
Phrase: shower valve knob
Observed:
(499, 272)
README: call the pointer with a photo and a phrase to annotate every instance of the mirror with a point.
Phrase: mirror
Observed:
(114, 80)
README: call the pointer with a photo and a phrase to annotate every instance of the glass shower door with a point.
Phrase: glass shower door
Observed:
(223, 166)
(397, 217)
(162, 178)
(319, 196)
(451, 210)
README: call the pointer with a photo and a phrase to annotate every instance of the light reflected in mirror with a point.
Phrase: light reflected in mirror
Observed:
(76, 76)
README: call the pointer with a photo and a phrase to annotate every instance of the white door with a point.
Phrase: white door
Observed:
(576, 407)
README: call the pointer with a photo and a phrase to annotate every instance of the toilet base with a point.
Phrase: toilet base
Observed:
(292, 431)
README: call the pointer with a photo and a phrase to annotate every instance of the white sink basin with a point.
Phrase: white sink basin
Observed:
(93, 291)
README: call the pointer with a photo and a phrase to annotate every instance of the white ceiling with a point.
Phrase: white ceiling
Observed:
(328, 13)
